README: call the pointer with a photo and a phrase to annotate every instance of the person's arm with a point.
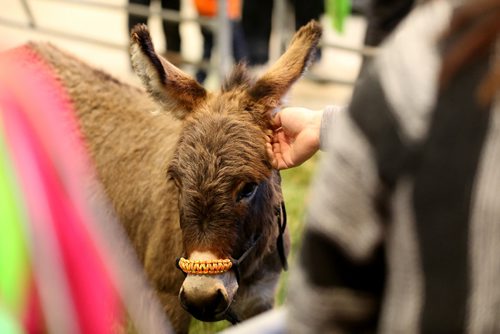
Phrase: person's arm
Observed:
(338, 281)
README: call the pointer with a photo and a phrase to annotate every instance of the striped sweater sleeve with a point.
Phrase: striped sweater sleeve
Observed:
(434, 152)
(327, 120)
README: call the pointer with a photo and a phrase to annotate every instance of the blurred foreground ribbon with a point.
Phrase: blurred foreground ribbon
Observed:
(57, 274)
(70, 277)
(13, 257)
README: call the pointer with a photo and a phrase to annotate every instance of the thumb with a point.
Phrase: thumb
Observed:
(277, 120)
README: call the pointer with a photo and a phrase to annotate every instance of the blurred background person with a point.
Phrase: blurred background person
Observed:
(257, 24)
(208, 8)
(170, 29)
(402, 232)
(382, 17)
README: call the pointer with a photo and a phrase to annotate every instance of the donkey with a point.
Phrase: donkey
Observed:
(188, 175)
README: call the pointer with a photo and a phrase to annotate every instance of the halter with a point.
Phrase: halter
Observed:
(204, 267)
(219, 266)
(280, 245)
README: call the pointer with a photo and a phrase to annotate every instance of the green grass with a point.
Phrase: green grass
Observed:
(295, 185)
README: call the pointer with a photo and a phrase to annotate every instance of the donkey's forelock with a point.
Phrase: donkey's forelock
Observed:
(239, 78)
(236, 97)
(224, 147)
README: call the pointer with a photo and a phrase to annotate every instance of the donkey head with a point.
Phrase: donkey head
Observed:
(228, 193)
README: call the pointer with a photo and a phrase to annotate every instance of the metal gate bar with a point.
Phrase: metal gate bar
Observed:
(219, 25)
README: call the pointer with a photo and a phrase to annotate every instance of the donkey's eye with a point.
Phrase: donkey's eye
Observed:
(247, 191)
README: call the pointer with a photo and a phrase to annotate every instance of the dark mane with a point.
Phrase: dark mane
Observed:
(239, 78)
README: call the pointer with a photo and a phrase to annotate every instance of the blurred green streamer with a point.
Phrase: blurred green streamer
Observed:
(338, 10)
(13, 253)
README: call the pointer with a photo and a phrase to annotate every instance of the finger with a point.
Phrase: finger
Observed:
(270, 150)
(279, 162)
(281, 137)
(271, 156)
(276, 121)
(276, 147)
(275, 138)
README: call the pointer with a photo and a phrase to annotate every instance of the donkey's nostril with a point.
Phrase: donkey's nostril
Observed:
(204, 306)
(219, 303)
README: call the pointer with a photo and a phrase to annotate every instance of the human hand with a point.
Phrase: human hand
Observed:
(296, 136)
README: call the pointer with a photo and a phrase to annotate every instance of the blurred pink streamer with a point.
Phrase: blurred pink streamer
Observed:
(48, 156)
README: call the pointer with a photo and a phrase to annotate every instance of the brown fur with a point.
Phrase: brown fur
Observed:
(173, 169)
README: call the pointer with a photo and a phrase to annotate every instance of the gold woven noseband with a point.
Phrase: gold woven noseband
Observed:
(204, 267)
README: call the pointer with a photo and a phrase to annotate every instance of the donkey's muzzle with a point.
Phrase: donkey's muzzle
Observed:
(205, 297)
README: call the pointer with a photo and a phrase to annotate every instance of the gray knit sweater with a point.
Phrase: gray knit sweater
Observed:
(403, 227)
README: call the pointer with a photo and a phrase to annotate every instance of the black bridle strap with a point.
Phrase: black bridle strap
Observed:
(280, 245)
(280, 240)
(236, 262)
(177, 260)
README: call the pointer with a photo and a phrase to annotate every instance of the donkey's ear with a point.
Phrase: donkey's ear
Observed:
(275, 83)
(176, 91)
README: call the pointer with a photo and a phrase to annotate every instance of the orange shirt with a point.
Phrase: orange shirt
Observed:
(209, 8)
